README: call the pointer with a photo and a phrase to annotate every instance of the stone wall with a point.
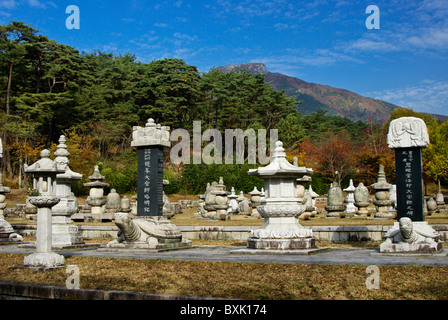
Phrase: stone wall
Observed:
(373, 233)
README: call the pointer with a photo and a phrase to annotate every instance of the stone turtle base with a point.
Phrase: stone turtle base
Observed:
(139, 248)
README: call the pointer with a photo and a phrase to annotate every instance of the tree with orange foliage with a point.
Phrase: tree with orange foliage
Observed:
(331, 156)
(372, 152)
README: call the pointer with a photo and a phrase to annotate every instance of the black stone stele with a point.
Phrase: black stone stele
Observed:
(150, 181)
(409, 180)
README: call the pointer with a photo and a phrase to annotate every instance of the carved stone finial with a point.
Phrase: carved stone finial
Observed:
(406, 132)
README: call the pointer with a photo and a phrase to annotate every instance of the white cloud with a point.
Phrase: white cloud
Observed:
(8, 4)
(36, 4)
(429, 96)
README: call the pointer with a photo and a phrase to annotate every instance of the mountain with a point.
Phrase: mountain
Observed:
(316, 97)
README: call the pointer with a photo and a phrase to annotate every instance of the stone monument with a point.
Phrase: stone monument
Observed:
(7, 234)
(335, 204)
(113, 202)
(215, 206)
(411, 234)
(3, 191)
(233, 203)
(243, 204)
(362, 200)
(255, 197)
(281, 207)
(149, 229)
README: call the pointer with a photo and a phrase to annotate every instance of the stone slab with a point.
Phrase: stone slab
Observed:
(281, 252)
(142, 250)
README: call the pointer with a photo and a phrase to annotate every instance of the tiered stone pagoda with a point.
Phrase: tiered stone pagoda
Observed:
(96, 193)
(281, 207)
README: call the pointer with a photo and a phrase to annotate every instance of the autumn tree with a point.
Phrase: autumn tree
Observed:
(331, 156)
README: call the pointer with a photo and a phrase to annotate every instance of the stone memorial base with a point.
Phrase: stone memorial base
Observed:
(411, 237)
(281, 233)
(44, 261)
(335, 211)
(146, 234)
(282, 244)
(411, 247)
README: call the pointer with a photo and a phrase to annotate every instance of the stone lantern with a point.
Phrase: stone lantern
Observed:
(96, 194)
(382, 195)
(44, 173)
(281, 207)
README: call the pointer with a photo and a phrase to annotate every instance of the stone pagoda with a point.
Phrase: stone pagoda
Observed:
(382, 196)
(96, 193)
(65, 233)
(281, 207)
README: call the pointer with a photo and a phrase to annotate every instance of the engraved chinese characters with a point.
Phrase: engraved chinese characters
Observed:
(150, 181)
(409, 183)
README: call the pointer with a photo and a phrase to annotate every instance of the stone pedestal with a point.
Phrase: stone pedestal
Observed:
(281, 207)
(43, 257)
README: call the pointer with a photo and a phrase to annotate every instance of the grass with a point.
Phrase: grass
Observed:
(272, 281)
(240, 280)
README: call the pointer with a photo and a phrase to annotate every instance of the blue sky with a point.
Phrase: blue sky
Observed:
(404, 62)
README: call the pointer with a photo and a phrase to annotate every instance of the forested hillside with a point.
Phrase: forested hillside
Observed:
(94, 99)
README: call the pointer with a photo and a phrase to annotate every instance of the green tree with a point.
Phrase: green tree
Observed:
(436, 154)
(14, 39)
